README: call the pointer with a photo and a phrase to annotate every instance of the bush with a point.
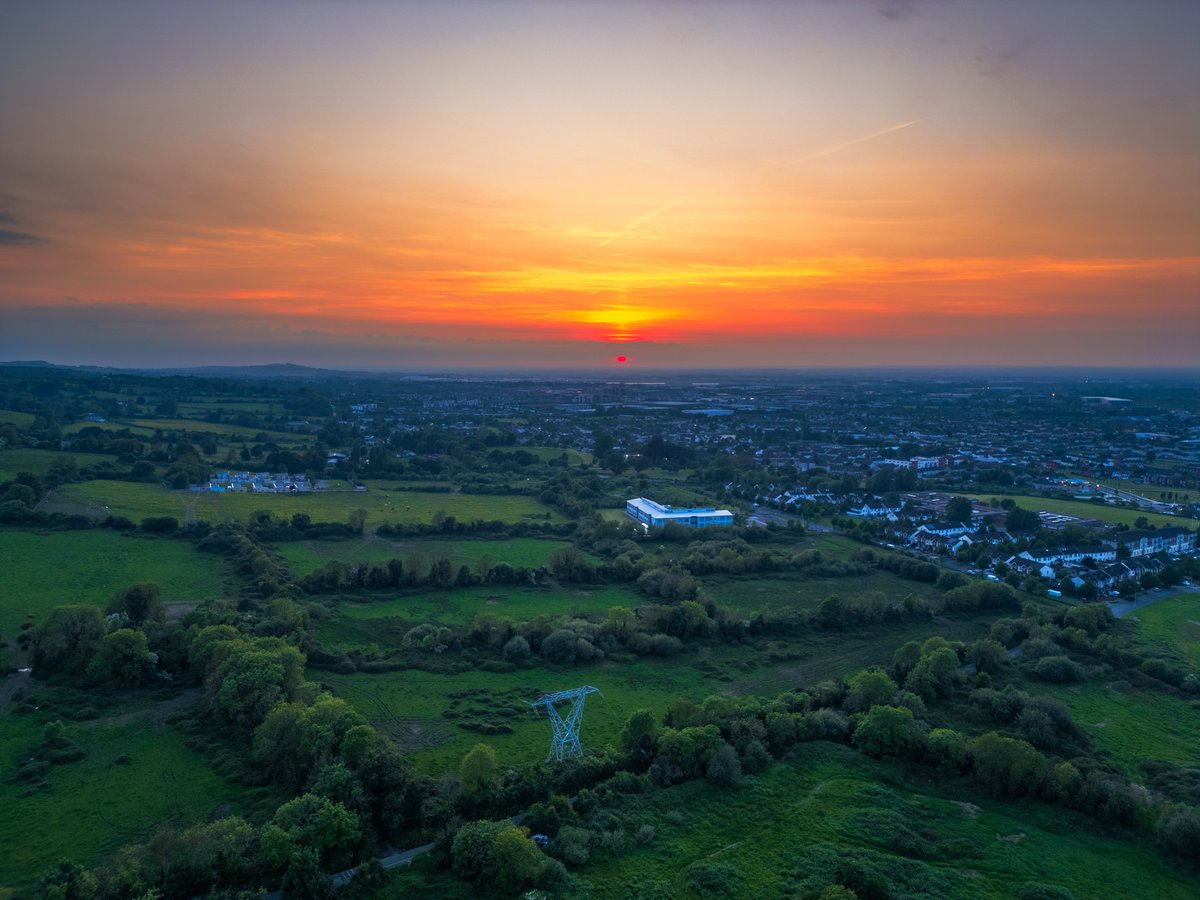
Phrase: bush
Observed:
(573, 845)
(1033, 890)
(1005, 765)
(714, 880)
(160, 524)
(516, 649)
(1057, 669)
(889, 731)
(724, 768)
(1178, 832)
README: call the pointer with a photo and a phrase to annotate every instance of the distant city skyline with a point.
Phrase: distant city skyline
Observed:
(464, 184)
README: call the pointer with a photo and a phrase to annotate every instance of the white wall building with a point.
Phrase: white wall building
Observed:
(656, 515)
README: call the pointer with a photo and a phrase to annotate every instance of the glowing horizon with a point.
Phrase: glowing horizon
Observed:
(527, 184)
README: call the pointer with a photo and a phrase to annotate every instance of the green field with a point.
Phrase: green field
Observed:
(778, 596)
(1173, 622)
(20, 419)
(1128, 726)
(231, 405)
(809, 817)
(243, 432)
(304, 556)
(56, 568)
(545, 454)
(409, 705)
(39, 462)
(137, 774)
(76, 427)
(460, 606)
(764, 669)
(1113, 515)
(138, 501)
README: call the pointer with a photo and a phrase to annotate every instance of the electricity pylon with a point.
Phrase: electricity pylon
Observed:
(564, 742)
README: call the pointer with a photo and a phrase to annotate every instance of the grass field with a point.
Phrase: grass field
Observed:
(574, 457)
(460, 606)
(809, 817)
(303, 557)
(231, 405)
(137, 501)
(1129, 726)
(409, 705)
(1113, 515)
(137, 774)
(76, 427)
(20, 419)
(416, 700)
(748, 596)
(198, 426)
(45, 570)
(1175, 623)
(39, 462)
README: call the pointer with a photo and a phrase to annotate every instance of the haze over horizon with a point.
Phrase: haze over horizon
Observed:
(527, 184)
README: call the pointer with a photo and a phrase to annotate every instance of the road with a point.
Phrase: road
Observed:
(390, 860)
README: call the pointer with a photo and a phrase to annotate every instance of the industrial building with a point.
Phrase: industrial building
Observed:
(655, 515)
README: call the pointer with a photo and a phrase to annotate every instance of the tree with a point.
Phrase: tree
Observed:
(122, 658)
(1019, 519)
(1004, 765)
(639, 737)
(946, 749)
(987, 655)
(1178, 832)
(249, 682)
(934, 675)
(958, 509)
(478, 772)
(67, 640)
(620, 621)
(297, 740)
(67, 881)
(321, 824)
(869, 688)
(139, 603)
(516, 649)
(684, 753)
(471, 850)
(568, 564)
(905, 659)
(889, 731)
(724, 768)
(519, 863)
(304, 877)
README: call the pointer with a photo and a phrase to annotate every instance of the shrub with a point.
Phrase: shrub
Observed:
(1178, 832)
(1004, 765)
(573, 845)
(516, 649)
(714, 880)
(1058, 669)
(889, 731)
(724, 768)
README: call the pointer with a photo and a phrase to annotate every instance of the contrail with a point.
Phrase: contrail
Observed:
(826, 151)
(635, 224)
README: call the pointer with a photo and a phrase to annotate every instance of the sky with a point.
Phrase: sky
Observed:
(478, 183)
